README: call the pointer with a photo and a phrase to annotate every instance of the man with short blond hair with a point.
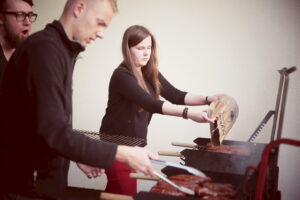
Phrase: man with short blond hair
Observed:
(36, 136)
(113, 4)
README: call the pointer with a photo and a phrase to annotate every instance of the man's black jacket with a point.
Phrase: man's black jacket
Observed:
(36, 117)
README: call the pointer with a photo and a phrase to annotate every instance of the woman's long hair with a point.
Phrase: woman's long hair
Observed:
(133, 36)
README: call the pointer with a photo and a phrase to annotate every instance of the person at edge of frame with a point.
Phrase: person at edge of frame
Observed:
(37, 140)
(16, 17)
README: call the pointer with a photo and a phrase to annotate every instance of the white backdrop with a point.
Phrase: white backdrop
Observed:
(206, 47)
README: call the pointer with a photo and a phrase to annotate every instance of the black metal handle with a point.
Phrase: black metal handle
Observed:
(291, 69)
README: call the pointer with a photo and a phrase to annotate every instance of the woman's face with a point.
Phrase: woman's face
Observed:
(141, 52)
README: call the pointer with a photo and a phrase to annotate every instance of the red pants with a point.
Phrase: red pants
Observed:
(118, 180)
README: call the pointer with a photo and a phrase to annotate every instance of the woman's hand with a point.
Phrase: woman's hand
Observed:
(198, 100)
(195, 113)
(198, 114)
(213, 98)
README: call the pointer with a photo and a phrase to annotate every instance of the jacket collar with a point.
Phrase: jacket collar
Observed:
(74, 46)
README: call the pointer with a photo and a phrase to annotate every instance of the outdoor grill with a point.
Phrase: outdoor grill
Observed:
(231, 168)
(255, 175)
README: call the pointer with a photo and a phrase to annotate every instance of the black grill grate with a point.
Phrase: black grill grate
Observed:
(117, 139)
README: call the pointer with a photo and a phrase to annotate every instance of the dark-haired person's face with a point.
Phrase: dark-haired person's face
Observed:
(93, 22)
(16, 31)
(141, 52)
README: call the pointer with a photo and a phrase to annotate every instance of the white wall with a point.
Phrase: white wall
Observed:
(206, 47)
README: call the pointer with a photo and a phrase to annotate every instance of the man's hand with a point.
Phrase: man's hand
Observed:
(136, 158)
(90, 172)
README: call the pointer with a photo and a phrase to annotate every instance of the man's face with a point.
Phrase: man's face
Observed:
(16, 31)
(93, 22)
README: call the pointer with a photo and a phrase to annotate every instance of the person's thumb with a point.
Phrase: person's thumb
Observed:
(152, 156)
(209, 119)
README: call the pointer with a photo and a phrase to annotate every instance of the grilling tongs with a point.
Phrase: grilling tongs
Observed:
(187, 168)
(178, 187)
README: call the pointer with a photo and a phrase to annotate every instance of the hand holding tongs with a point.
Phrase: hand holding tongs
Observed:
(187, 168)
(180, 188)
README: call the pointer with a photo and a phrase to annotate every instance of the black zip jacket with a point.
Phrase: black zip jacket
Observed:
(36, 118)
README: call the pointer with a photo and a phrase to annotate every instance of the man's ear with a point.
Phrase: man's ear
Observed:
(79, 8)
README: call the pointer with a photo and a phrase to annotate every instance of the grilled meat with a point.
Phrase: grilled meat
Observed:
(231, 149)
(202, 186)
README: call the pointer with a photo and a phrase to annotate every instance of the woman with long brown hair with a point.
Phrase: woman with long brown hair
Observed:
(134, 91)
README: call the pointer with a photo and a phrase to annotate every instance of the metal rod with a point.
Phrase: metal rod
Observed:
(283, 103)
(277, 106)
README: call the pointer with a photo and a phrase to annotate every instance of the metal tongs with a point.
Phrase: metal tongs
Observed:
(180, 188)
(187, 168)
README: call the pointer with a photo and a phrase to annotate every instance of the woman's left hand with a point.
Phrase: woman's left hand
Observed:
(213, 98)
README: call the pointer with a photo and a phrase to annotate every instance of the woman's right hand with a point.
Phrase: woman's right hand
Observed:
(199, 115)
